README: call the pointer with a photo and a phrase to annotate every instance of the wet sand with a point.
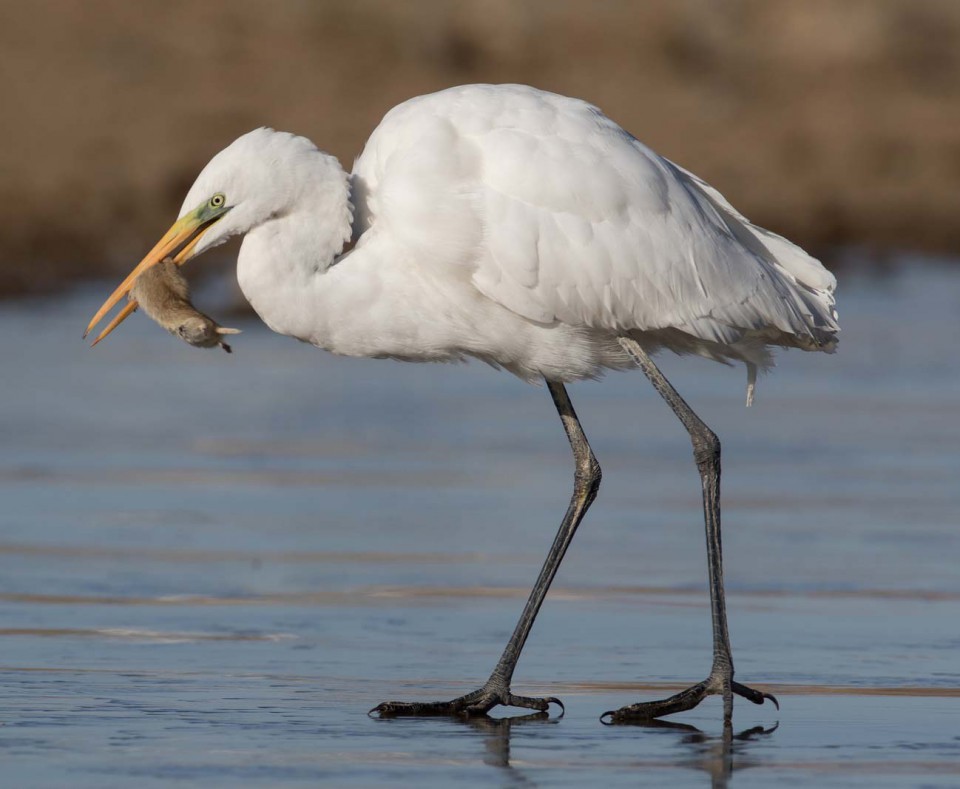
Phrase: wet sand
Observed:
(212, 566)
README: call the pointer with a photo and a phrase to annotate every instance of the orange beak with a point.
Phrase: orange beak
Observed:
(177, 243)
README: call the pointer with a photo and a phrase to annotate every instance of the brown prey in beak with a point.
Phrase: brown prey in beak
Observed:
(164, 294)
(177, 247)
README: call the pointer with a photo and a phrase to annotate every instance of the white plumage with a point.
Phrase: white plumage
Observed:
(513, 225)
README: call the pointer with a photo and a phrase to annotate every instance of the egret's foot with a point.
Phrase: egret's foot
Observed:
(480, 702)
(687, 700)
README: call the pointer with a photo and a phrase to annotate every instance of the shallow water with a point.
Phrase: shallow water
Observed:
(211, 566)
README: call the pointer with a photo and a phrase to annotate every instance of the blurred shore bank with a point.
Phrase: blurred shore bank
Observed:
(834, 122)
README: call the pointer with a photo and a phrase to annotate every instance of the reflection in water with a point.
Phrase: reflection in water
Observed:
(497, 741)
(496, 734)
(716, 756)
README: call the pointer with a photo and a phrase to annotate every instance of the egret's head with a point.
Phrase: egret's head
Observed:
(259, 176)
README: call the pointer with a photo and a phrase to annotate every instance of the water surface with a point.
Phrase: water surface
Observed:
(211, 566)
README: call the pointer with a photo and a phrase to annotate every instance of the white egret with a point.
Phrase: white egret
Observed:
(528, 230)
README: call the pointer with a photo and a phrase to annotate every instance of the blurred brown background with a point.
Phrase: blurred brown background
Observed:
(835, 122)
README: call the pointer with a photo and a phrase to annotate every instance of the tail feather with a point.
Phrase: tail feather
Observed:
(811, 286)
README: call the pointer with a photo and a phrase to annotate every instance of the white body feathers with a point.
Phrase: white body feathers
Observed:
(512, 225)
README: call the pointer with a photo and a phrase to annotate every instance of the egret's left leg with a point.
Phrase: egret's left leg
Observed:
(497, 691)
(706, 451)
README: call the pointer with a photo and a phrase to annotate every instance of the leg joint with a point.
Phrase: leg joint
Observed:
(706, 448)
(586, 478)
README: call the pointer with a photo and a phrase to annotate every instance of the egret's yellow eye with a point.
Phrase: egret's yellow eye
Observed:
(217, 200)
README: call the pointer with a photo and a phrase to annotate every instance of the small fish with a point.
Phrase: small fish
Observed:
(164, 294)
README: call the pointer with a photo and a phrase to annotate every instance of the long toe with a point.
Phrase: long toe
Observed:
(756, 696)
(535, 703)
(412, 709)
(649, 710)
(397, 709)
(477, 703)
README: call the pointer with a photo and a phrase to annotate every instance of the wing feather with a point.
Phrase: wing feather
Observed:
(556, 213)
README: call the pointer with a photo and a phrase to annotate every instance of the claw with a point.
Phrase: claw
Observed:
(756, 696)
(555, 700)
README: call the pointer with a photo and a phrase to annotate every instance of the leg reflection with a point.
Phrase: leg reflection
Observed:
(716, 756)
(497, 733)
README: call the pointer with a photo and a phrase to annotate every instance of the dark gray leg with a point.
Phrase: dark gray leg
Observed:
(706, 452)
(586, 483)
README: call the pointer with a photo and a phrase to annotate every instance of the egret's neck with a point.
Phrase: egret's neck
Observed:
(281, 258)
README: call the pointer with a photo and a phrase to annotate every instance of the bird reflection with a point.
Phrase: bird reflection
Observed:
(716, 756)
(497, 733)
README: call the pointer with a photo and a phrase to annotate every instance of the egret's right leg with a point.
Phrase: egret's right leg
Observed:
(706, 452)
(496, 691)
